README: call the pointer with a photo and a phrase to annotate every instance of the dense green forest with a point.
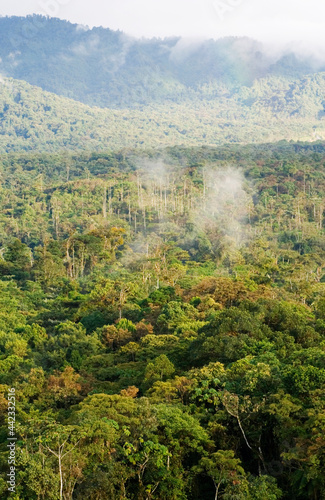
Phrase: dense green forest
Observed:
(270, 110)
(163, 322)
(162, 267)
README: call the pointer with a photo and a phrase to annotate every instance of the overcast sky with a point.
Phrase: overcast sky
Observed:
(267, 20)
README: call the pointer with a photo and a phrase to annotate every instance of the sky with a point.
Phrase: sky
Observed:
(275, 21)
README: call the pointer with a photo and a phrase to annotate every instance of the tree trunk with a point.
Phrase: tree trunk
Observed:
(105, 203)
(61, 476)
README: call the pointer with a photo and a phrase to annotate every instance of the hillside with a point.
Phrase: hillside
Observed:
(270, 110)
(105, 68)
(99, 89)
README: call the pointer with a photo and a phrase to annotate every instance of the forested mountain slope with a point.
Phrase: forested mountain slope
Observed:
(272, 109)
(110, 69)
(148, 93)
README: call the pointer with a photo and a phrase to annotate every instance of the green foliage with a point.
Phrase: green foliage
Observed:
(33, 119)
(160, 369)
(157, 350)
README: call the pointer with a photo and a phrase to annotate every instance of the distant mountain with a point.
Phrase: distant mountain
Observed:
(270, 110)
(106, 68)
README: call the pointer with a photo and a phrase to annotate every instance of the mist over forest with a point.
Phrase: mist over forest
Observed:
(106, 68)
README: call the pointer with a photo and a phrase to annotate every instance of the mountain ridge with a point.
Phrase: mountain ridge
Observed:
(107, 68)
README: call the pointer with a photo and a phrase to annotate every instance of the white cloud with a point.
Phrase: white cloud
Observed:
(86, 48)
(275, 21)
(184, 48)
(82, 28)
